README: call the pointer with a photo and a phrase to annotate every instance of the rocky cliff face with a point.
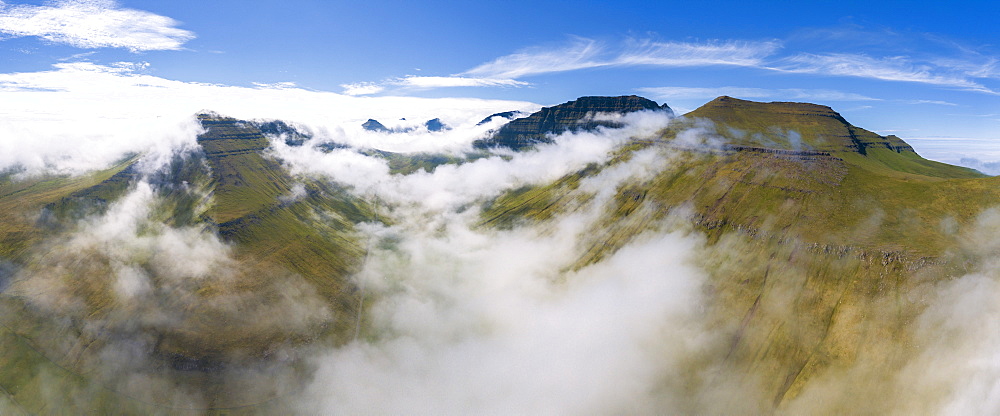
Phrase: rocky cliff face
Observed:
(571, 116)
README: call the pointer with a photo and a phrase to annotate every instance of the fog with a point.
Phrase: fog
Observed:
(957, 368)
(82, 116)
(472, 320)
(457, 317)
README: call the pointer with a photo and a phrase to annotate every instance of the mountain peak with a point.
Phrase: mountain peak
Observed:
(528, 131)
(783, 107)
(791, 125)
(374, 125)
(436, 125)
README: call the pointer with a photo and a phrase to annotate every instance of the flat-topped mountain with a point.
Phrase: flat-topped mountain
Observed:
(570, 116)
(809, 129)
(790, 125)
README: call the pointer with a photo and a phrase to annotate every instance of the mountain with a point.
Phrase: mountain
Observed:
(818, 241)
(575, 115)
(281, 235)
(509, 115)
(436, 125)
(374, 125)
(835, 226)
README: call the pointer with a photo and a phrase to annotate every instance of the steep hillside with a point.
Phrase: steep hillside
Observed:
(251, 205)
(821, 235)
(266, 238)
(815, 128)
(799, 170)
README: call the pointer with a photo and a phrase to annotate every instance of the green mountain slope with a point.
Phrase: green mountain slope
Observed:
(283, 236)
(820, 236)
(247, 206)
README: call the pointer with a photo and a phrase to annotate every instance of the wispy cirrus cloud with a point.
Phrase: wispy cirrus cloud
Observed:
(581, 53)
(455, 81)
(681, 54)
(427, 82)
(955, 67)
(584, 53)
(502, 72)
(757, 93)
(93, 24)
(978, 66)
(934, 102)
(893, 68)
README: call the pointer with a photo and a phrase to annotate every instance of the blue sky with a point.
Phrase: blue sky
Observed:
(914, 69)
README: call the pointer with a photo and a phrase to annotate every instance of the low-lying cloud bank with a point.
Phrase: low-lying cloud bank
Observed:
(135, 304)
(471, 320)
(453, 185)
(83, 116)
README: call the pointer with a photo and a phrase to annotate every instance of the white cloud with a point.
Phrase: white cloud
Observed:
(452, 186)
(584, 53)
(471, 320)
(977, 66)
(937, 102)
(362, 88)
(455, 81)
(93, 24)
(973, 153)
(581, 53)
(679, 54)
(284, 85)
(744, 92)
(81, 116)
(421, 82)
(897, 68)
(155, 276)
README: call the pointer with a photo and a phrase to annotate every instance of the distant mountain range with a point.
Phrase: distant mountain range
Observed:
(431, 125)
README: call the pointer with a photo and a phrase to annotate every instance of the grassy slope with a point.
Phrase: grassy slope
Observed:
(22, 201)
(812, 257)
(312, 237)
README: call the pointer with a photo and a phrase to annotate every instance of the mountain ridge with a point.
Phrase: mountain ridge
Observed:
(835, 227)
(525, 132)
